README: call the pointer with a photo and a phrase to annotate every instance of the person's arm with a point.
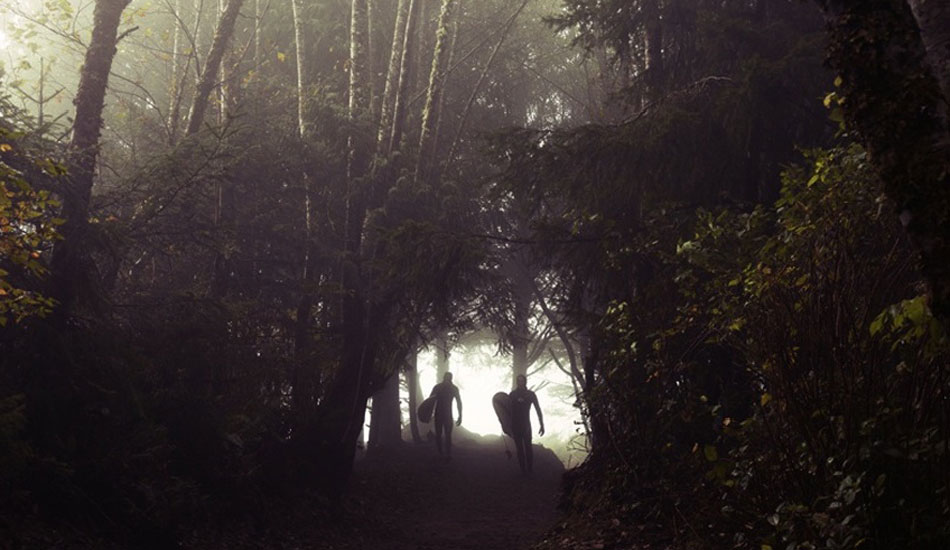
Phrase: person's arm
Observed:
(537, 409)
(432, 393)
(458, 398)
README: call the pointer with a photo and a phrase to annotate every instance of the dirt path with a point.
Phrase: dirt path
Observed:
(480, 500)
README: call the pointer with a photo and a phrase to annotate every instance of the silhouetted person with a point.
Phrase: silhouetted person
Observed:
(444, 392)
(521, 400)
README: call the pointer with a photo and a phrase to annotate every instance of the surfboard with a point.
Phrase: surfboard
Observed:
(502, 405)
(424, 412)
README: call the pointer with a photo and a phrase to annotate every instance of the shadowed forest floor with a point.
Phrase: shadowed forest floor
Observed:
(408, 498)
(411, 499)
(401, 499)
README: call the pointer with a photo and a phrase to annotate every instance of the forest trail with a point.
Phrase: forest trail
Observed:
(412, 500)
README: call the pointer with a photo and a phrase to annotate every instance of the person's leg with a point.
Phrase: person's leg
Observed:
(528, 450)
(519, 448)
(448, 437)
(439, 425)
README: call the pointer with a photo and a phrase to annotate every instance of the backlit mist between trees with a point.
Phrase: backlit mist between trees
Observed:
(240, 240)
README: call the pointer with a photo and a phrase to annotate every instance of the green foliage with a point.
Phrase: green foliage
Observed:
(27, 225)
(777, 383)
(173, 408)
(755, 375)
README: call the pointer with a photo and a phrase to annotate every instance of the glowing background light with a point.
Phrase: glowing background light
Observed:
(479, 373)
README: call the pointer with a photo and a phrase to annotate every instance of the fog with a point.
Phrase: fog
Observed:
(241, 240)
(480, 371)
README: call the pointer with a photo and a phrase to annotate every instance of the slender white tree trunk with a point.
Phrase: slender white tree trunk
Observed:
(440, 61)
(392, 75)
(406, 75)
(175, 68)
(302, 80)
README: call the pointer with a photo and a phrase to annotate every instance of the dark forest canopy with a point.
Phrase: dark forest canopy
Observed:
(229, 229)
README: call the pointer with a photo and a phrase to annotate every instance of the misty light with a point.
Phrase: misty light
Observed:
(479, 372)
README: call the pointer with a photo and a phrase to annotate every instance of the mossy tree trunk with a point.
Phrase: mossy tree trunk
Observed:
(440, 64)
(69, 275)
(407, 63)
(392, 76)
(892, 97)
(212, 68)
(436, 166)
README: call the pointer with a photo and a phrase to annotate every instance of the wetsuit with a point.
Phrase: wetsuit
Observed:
(444, 393)
(521, 401)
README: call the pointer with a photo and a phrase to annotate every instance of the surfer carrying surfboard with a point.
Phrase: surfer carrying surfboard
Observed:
(521, 400)
(443, 393)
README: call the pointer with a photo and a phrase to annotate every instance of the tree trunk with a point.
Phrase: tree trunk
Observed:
(68, 273)
(440, 62)
(893, 99)
(357, 161)
(222, 78)
(257, 34)
(424, 28)
(207, 81)
(386, 419)
(341, 413)
(392, 75)
(440, 106)
(435, 165)
(442, 354)
(217, 70)
(302, 382)
(520, 338)
(519, 335)
(342, 410)
(415, 395)
(933, 19)
(406, 72)
(653, 46)
(297, 7)
(359, 89)
(174, 112)
(224, 218)
(371, 64)
(597, 418)
(173, 88)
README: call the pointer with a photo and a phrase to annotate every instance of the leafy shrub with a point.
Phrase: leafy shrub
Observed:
(777, 381)
(27, 222)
